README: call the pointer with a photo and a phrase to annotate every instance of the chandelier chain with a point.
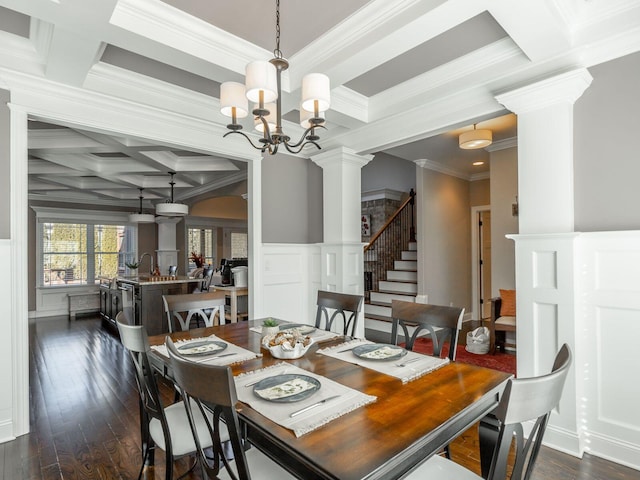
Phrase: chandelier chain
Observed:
(277, 52)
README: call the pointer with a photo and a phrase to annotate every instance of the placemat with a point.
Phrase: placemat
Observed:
(415, 364)
(239, 354)
(280, 413)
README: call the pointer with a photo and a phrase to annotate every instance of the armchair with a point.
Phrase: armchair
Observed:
(503, 319)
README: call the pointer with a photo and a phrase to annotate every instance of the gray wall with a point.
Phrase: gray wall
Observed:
(446, 225)
(504, 188)
(386, 171)
(606, 159)
(291, 200)
(5, 163)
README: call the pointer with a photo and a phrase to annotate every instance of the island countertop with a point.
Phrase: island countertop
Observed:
(156, 280)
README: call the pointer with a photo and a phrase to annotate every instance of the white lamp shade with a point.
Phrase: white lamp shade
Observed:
(271, 118)
(261, 76)
(305, 116)
(232, 94)
(142, 218)
(172, 209)
(315, 86)
(475, 139)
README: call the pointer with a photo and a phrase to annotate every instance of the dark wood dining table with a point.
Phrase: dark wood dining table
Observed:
(383, 440)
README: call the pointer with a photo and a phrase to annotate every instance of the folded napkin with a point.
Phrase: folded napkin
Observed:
(318, 335)
(239, 354)
(347, 401)
(407, 368)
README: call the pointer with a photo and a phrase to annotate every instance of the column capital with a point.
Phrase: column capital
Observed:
(564, 88)
(340, 155)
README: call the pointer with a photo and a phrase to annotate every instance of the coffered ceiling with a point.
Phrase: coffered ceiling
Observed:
(407, 76)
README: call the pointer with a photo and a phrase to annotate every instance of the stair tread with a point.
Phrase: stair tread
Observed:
(400, 281)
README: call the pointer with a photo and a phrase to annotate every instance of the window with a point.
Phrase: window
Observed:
(200, 241)
(238, 245)
(81, 253)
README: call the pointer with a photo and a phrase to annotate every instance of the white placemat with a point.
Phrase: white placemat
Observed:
(239, 354)
(318, 335)
(347, 401)
(413, 365)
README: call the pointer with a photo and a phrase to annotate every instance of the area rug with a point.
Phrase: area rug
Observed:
(505, 362)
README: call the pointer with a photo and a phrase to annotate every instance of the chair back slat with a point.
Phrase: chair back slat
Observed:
(442, 323)
(334, 305)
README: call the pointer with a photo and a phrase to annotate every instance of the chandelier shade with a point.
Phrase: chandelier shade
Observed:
(261, 80)
(263, 86)
(232, 95)
(315, 88)
(475, 139)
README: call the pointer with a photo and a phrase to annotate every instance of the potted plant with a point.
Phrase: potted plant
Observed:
(270, 326)
(132, 265)
(198, 259)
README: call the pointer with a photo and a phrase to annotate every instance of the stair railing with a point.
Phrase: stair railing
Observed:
(387, 245)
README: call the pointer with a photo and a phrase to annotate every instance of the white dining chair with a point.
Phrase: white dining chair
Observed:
(184, 307)
(523, 400)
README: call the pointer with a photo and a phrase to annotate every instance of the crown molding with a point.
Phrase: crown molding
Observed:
(380, 194)
(480, 176)
(502, 144)
(438, 167)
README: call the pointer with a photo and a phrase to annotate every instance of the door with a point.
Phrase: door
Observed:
(484, 254)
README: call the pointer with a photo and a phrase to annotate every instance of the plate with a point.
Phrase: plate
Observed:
(379, 351)
(286, 388)
(303, 328)
(202, 347)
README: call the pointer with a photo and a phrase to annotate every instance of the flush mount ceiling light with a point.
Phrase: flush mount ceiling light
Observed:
(170, 208)
(141, 217)
(475, 138)
(263, 87)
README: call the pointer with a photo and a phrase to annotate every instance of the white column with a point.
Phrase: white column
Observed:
(167, 254)
(546, 253)
(341, 252)
(545, 150)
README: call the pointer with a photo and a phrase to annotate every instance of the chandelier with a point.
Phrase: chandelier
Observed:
(171, 208)
(262, 88)
(141, 217)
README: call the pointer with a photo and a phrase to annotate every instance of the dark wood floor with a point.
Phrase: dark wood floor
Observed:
(84, 416)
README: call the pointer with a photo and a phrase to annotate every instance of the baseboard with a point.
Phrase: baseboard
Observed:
(6, 431)
(614, 450)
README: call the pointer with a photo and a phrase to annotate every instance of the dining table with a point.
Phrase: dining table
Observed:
(408, 421)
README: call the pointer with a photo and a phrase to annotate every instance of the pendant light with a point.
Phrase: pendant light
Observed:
(142, 217)
(170, 208)
(475, 139)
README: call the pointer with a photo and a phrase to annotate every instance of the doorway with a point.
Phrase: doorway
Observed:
(481, 261)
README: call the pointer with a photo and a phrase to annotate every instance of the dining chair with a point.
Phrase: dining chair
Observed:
(523, 400)
(332, 305)
(185, 307)
(441, 322)
(211, 388)
(207, 275)
(165, 427)
(503, 319)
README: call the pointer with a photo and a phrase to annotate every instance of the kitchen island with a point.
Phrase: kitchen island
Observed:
(144, 294)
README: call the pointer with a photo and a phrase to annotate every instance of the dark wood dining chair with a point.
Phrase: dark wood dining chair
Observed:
(332, 305)
(211, 388)
(165, 427)
(440, 322)
(523, 400)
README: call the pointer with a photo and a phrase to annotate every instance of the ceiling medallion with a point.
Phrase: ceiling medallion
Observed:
(263, 87)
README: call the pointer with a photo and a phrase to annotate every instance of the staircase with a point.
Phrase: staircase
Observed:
(401, 284)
